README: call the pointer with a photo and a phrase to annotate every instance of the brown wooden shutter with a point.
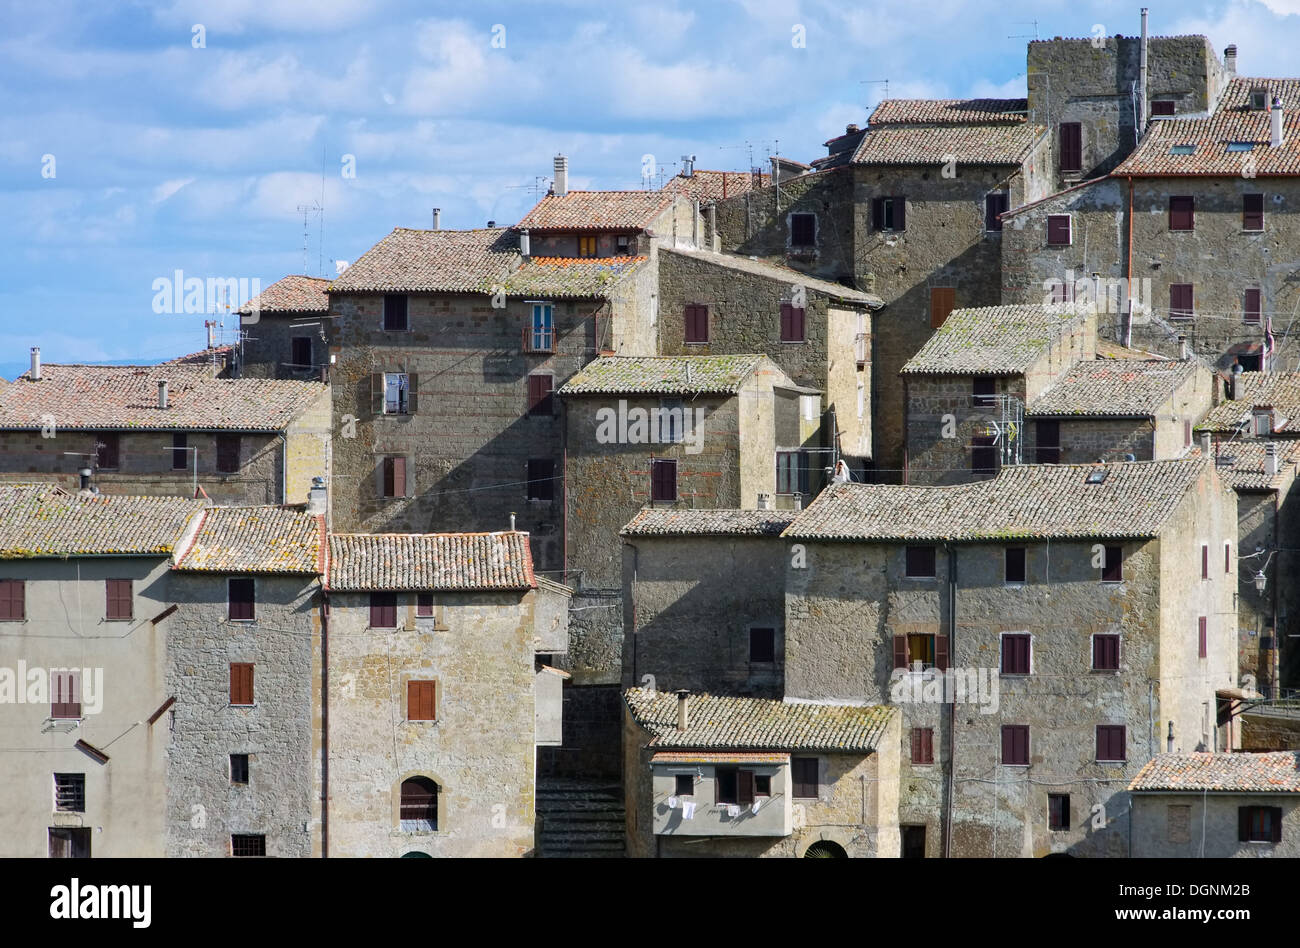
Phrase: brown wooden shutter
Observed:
(383, 610)
(745, 788)
(1253, 305)
(424, 604)
(421, 703)
(228, 450)
(65, 696)
(241, 597)
(1058, 230)
(412, 393)
(1275, 819)
(900, 651)
(1182, 212)
(943, 299)
(241, 683)
(118, 595)
(539, 394)
(941, 652)
(12, 599)
(398, 480)
(1008, 744)
(663, 480)
(1180, 300)
(1071, 146)
(1202, 645)
(1252, 212)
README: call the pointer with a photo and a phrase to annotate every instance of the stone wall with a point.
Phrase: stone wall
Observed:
(1196, 826)
(267, 348)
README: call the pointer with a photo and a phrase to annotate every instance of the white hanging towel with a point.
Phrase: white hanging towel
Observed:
(688, 810)
(672, 803)
(753, 807)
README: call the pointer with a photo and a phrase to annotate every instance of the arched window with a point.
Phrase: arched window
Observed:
(825, 849)
(419, 805)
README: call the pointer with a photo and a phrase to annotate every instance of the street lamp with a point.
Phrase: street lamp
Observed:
(1260, 581)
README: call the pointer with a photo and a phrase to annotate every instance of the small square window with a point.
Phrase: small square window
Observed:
(239, 769)
(1259, 824)
(1058, 811)
(1016, 654)
(1105, 652)
(247, 844)
(1015, 745)
(541, 479)
(241, 597)
(762, 645)
(684, 785)
(762, 785)
(70, 793)
(803, 230)
(1112, 570)
(395, 313)
(1111, 742)
(424, 604)
(1058, 230)
(1162, 107)
(920, 562)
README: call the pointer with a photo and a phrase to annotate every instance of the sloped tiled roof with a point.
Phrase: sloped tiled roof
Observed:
(710, 186)
(597, 210)
(1277, 772)
(263, 539)
(1240, 463)
(1112, 388)
(993, 340)
(1236, 95)
(292, 294)
(122, 397)
(562, 277)
(211, 360)
(938, 144)
(430, 561)
(1022, 502)
(447, 261)
(651, 522)
(1211, 136)
(662, 375)
(40, 520)
(1279, 389)
(763, 268)
(716, 721)
(950, 112)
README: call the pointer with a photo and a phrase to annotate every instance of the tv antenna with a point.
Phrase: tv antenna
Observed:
(1033, 23)
(876, 82)
(307, 211)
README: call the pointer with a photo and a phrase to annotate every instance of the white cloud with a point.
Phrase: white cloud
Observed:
(168, 188)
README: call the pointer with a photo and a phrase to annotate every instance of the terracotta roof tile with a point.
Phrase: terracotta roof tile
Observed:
(39, 520)
(711, 186)
(293, 294)
(1022, 502)
(1112, 388)
(950, 112)
(265, 539)
(658, 521)
(1236, 96)
(571, 276)
(663, 375)
(716, 721)
(1279, 389)
(122, 397)
(430, 561)
(1277, 772)
(938, 144)
(994, 340)
(448, 261)
(1240, 463)
(597, 210)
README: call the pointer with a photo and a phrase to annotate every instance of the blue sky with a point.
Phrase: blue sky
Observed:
(170, 157)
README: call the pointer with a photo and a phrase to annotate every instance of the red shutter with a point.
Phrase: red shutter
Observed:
(941, 652)
(1202, 644)
(1180, 300)
(943, 300)
(1205, 549)
(900, 651)
(1252, 212)
(65, 697)
(383, 610)
(1058, 230)
(786, 316)
(539, 394)
(241, 683)
(1182, 213)
(1253, 305)
(12, 599)
(118, 595)
(421, 704)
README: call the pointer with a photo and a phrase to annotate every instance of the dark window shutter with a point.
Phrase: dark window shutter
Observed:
(900, 651)
(1252, 212)
(228, 451)
(412, 393)
(395, 312)
(1014, 564)
(745, 788)
(941, 652)
(1243, 823)
(383, 610)
(1202, 645)
(376, 393)
(241, 596)
(1182, 213)
(539, 394)
(424, 604)
(804, 774)
(994, 205)
(107, 449)
(900, 212)
(180, 458)
(1113, 570)
(877, 213)
(1227, 557)
(1205, 547)
(118, 594)
(1071, 146)
(300, 352)
(1253, 305)
(1162, 107)
(1058, 230)
(12, 599)
(663, 480)
(1275, 821)
(65, 696)
(786, 315)
(1180, 300)
(1015, 744)
(943, 300)
(1048, 448)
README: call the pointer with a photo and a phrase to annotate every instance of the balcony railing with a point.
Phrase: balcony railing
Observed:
(537, 340)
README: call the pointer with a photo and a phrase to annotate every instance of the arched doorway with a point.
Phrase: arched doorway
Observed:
(419, 805)
(825, 849)
(416, 854)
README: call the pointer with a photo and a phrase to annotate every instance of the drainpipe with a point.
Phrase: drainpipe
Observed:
(324, 723)
(952, 705)
(284, 467)
(1276, 677)
(1128, 266)
(906, 413)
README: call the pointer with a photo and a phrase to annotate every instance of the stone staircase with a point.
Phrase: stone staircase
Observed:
(579, 819)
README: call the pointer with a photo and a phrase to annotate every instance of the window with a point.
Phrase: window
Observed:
(684, 785)
(239, 769)
(920, 562)
(68, 842)
(107, 450)
(395, 314)
(180, 452)
(541, 401)
(1252, 212)
(228, 454)
(1058, 230)
(1187, 433)
(1058, 811)
(1259, 824)
(421, 701)
(1105, 652)
(13, 600)
(983, 456)
(1112, 570)
(1071, 146)
(762, 645)
(995, 204)
(1180, 301)
(791, 472)
(792, 323)
(888, 213)
(920, 651)
(670, 422)
(763, 785)
(383, 610)
(923, 745)
(696, 320)
(586, 246)
(241, 683)
(1251, 305)
(1015, 745)
(1249, 363)
(70, 793)
(623, 244)
(397, 390)
(1205, 558)
(300, 352)
(1202, 643)
(393, 477)
(929, 651)
(1227, 557)
(1182, 213)
(663, 480)
(1110, 742)
(803, 772)
(1182, 150)
(240, 595)
(1047, 450)
(1162, 107)
(119, 599)
(984, 392)
(1016, 654)
(1259, 99)
(803, 230)
(943, 300)
(424, 604)
(1014, 564)
(733, 786)
(542, 331)
(541, 479)
(247, 844)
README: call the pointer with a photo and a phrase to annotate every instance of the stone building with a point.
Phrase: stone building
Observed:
(285, 331)
(84, 600)
(1043, 633)
(445, 639)
(1217, 806)
(965, 391)
(166, 429)
(711, 776)
(673, 432)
